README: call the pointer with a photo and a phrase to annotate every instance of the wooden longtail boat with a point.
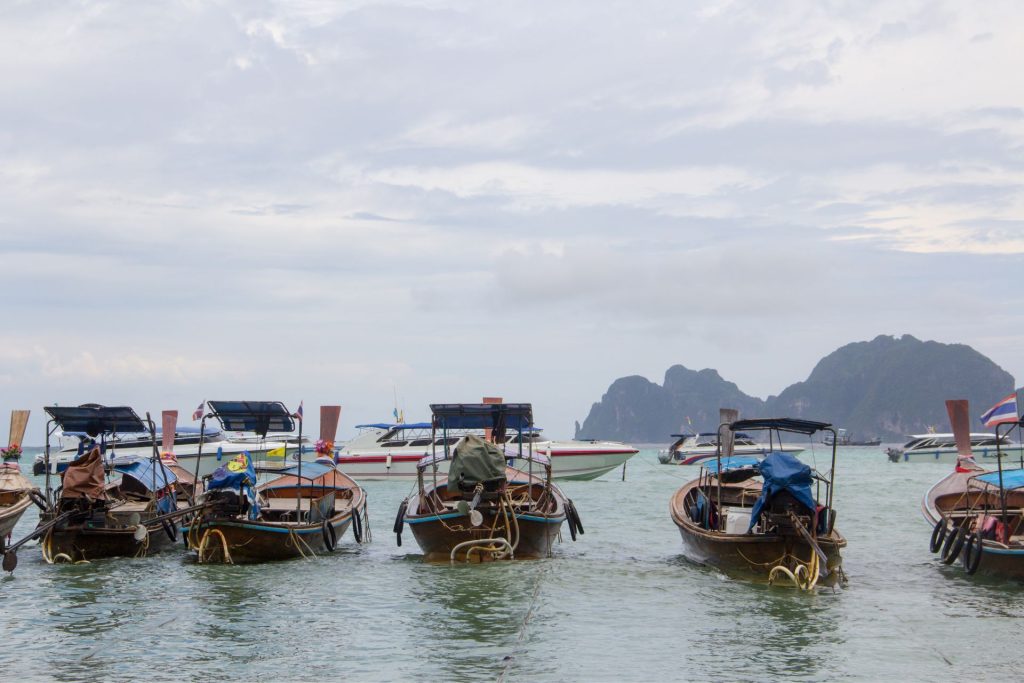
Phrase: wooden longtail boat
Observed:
(16, 492)
(484, 510)
(303, 511)
(771, 516)
(977, 515)
(86, 517)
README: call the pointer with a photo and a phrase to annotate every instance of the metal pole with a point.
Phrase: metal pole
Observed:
(1002, 491)
(298, 498)
(718, 475)
(49, 432)
(832, 474)
(199, 453)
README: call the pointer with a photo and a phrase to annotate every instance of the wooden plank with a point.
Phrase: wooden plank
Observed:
(19, 422)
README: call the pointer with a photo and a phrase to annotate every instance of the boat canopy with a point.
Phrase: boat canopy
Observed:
(93, 419)
(399, 426)
(783, 472)
(495, 416)
(143, 471)
(1012, 479)
(253, 416)
(310, 470)
(736, 462)
(785, 424)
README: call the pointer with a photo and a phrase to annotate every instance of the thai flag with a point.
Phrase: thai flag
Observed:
(198, 414)
(298, 413)
(1002, 412)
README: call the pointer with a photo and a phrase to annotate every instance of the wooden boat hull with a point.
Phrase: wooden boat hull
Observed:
(951, 496)
(78, 542)
(437, 535)
(10, 515)
(256, 541)
(751, 553)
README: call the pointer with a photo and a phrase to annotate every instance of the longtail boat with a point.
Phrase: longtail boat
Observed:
(302, 511)
(16, 491)
(771, 516)
(977, 515)
(484, 510)
(87, 516)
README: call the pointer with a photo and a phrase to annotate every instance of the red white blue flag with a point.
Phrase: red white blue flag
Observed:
(1002, 412)
(298, 413)
(198, 414)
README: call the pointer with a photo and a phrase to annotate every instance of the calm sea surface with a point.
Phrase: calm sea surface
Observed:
(620, 604)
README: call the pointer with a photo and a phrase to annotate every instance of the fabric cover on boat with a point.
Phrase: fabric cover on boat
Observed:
(476, 461)
(733, 463)
(142, 470)
(238, 475)
(783, 472)
(84, 478)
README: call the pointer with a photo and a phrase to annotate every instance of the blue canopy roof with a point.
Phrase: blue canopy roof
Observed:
(1012, 479)
(310, 470)
(785, 424)
(496, 416)
(143, 471)
(736, 462)
(92, 418)
(253, 416)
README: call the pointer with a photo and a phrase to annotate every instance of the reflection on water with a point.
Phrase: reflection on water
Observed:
(620, 604)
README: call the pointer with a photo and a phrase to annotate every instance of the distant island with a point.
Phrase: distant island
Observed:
(886, 388)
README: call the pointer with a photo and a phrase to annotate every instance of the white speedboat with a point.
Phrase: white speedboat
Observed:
(693, 449)
(218, 447)
(942, 448)
(391, 451)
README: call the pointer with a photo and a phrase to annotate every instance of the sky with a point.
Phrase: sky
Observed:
(349, 202)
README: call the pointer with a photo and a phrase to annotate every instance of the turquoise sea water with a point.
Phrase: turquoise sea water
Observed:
(619, 604)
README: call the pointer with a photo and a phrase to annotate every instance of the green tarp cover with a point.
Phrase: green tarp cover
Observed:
(475, 461)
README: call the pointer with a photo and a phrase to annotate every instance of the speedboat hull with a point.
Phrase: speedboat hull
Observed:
(578, 461)
(700, 455)
(949, 455)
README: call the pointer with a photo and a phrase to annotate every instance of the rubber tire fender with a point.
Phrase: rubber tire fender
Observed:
(330, 535)
(357, 526)
(400, 521)
(575, 517)
(953, 545)
(938, 535)
(973, 560)
(570, 520)
(171, 529)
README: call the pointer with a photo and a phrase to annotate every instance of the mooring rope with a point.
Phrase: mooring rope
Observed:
(510, 659)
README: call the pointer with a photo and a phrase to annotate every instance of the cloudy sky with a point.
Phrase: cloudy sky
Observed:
(326, 201)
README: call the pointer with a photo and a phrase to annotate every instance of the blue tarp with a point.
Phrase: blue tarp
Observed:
(783, 472)
(1012, 479)
(734, 463)
(237, 474)
(142, 470)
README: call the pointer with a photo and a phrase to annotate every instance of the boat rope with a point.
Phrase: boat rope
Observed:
(223, 543)
(296, 540)
(143, 547)
(510, 659)
(803, 575)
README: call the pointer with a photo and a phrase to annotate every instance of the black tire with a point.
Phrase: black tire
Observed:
(171, 529)
(953, 545)
(330, 535)
(574, 518)
(400, 522)
(570, 520)
(938, 535)
(357, 526)
(37, 498)
(974, 547)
